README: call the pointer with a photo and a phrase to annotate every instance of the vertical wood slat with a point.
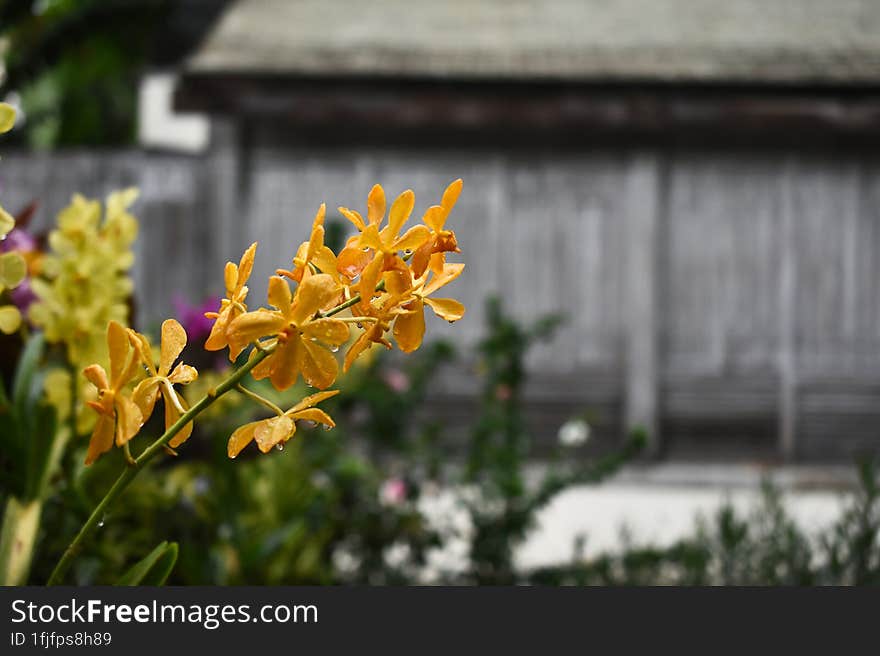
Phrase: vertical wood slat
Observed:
(642, 243)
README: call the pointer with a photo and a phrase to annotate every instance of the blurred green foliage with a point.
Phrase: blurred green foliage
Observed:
(360, 503)
(73, 66)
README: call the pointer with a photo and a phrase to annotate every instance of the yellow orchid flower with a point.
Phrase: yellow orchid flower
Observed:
(7, 117)
(312, 252)
(433, 252)
(83, 283)
(233, 305)
(162, 379)
(117, 414)
(13, 269)
(275, 431)
(409, 328)
(299, 334)
(12, 264)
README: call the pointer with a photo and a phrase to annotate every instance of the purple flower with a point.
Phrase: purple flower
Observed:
(23, 295)
(192, 317)
(18, 240)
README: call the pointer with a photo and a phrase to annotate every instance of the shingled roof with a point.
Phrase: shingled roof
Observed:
(693, 41)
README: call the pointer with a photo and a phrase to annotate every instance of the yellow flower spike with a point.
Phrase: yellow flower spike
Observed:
(233, 305)
(433, 252)
(82, 283)
(12, 264)
(409, 328)
(300, 336)
(275, 431)
(118, 415)
(162, 379)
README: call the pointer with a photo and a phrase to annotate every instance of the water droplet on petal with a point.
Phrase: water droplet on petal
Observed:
(327, 427)
(334, 349)
(280, 446)
(359, 324)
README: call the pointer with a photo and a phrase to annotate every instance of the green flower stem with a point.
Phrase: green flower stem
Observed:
(259, 399)
(354, 300)
(76, 546)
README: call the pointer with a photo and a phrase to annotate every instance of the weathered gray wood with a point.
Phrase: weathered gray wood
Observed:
(706, 293)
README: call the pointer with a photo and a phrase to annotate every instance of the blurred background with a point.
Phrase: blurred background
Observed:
(671, 223)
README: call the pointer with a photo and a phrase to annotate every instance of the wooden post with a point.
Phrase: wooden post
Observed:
(787, 291)
(641, 307)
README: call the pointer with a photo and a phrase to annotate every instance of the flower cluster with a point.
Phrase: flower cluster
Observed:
(120, 413)
(380, 283)
(12, 265)
(84, 282)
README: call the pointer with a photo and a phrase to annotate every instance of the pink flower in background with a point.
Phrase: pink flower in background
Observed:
(392, 492)
(503, 392)
(396, 379)
(192, 317)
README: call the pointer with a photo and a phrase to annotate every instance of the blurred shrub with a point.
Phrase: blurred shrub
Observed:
(765, 547)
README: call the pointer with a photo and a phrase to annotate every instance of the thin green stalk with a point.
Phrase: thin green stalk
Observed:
(259, 399)
(354, 300)
(149, 453)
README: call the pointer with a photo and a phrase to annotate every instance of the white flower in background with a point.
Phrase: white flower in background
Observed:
(574, 432)
(345, 561)
(396, 555)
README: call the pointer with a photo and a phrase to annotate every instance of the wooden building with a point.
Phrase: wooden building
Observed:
(696, 185)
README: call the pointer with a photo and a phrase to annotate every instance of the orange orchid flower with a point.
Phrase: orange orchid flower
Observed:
(312, 252)
(275, 431)
(382, 311)
(162, 379)
(299, 334)
(233, 305)
(409, 328)
(433, 252)
(118, 415)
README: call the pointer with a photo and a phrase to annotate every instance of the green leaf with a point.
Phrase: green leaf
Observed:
(18, 535)
(22, 384)
(154, 568)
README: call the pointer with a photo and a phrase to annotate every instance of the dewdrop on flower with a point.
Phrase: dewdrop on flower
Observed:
(574, 432)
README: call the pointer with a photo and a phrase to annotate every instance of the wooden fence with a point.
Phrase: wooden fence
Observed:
(725, 300)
